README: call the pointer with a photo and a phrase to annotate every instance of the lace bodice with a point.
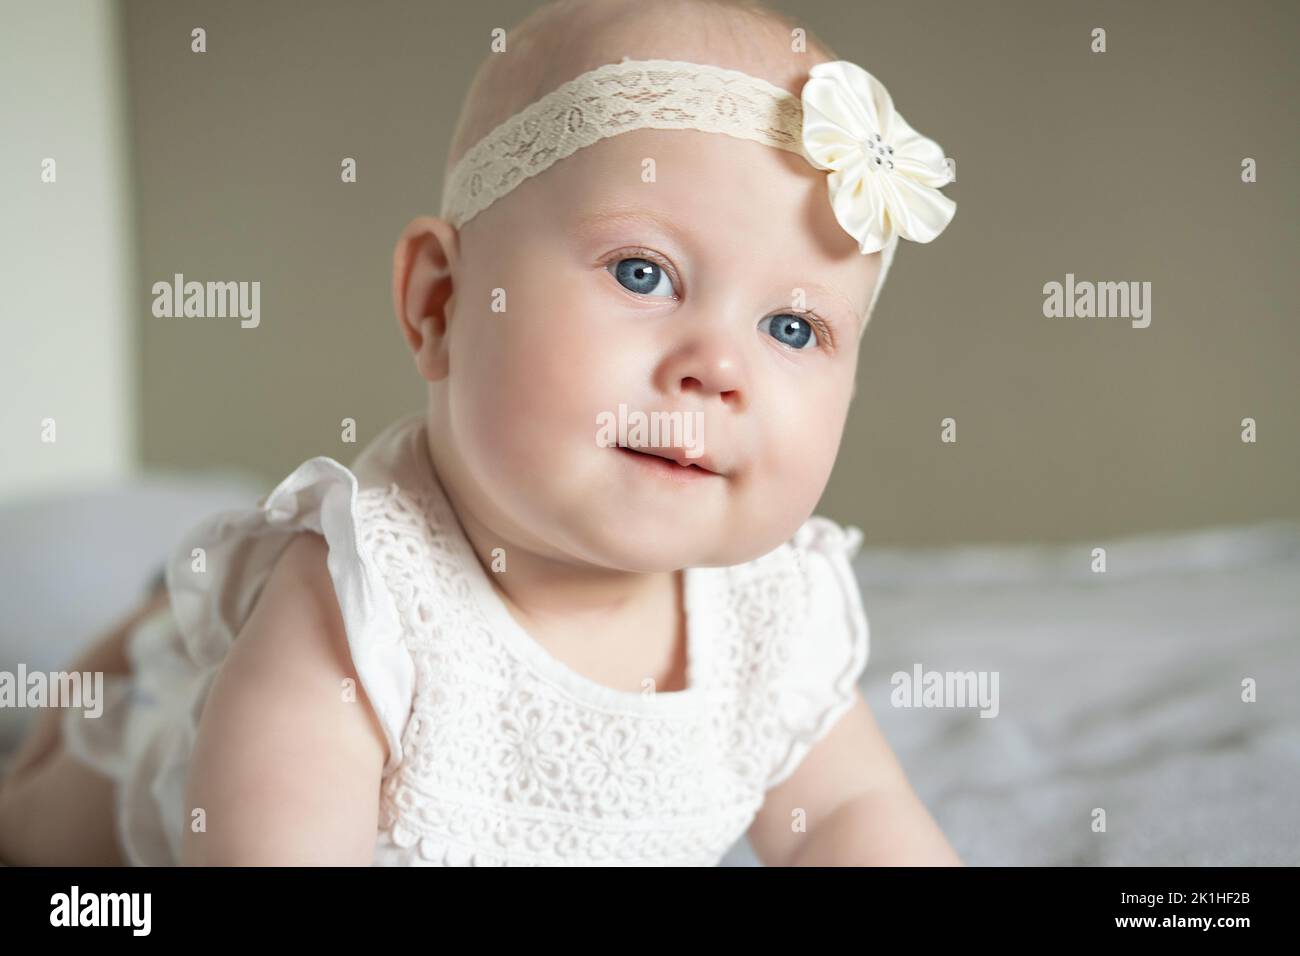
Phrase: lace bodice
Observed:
(510, 756)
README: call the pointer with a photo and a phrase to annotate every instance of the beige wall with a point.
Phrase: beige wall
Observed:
(1116, 166)
(67, 312)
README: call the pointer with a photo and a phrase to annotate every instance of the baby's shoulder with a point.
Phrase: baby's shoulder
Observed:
(303, 564)
(299, 587)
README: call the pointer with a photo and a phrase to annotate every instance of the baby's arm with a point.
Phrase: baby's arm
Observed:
(858, 806)
(286, 770)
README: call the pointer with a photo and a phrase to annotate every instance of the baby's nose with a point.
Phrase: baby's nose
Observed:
(708, 365)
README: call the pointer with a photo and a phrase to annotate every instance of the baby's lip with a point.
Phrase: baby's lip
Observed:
(705, 462)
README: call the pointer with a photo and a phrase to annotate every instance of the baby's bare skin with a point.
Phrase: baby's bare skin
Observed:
(54, 810)
(287, 767)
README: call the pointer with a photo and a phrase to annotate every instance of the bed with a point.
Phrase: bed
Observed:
(1119, 691)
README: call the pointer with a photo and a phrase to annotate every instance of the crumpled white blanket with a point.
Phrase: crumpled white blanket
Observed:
(1119, 691)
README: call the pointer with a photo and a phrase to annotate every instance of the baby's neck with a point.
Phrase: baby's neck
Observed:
(614, 627)
(547, 594)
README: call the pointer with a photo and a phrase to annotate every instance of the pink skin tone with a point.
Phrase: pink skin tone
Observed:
(514, 397)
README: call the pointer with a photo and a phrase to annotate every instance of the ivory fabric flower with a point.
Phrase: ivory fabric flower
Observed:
(883, 174)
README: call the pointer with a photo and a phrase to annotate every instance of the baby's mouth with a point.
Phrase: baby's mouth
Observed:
(674, 461)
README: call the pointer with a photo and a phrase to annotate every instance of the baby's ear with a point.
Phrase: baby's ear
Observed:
(424, 285)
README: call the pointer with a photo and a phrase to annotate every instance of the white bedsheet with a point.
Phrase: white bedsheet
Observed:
(1119, 690)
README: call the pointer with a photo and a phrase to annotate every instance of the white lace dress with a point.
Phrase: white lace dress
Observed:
(500, 753)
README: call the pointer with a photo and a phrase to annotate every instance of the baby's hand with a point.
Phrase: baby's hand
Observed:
(858, 806)
(287, 767)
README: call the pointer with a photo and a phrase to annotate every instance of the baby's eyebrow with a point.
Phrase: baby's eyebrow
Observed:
(830, 293)
(633, 215)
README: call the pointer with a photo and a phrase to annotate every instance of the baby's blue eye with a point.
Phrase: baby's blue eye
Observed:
(642, 276)
(789, 330)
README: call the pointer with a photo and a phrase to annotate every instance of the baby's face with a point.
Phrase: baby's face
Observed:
(723, 293)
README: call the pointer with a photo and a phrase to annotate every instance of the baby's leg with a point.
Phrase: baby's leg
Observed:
(58, 814)
(54, 810)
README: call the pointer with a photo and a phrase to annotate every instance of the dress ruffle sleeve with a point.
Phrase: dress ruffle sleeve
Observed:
(145, 737)
(238, 550)
(817, 685)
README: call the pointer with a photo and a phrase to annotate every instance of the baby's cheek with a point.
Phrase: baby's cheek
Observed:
(794, 483)
(531, 382)
(799, 453)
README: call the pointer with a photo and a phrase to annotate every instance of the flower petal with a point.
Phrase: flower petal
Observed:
(827, 144)
(860, 205)
(843, 106)
(866, 104)
(918, 156)
(919, 212)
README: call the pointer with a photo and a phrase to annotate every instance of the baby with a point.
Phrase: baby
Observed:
(574, 611)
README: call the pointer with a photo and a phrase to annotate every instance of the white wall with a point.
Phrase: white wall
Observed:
(67, 339)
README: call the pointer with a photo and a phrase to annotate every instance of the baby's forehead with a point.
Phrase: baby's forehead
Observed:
(709, 196)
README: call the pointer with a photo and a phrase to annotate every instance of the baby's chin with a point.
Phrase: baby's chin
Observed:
(649, 540)
(661, 553)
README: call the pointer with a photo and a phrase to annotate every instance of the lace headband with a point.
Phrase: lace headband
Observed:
(883, 176)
